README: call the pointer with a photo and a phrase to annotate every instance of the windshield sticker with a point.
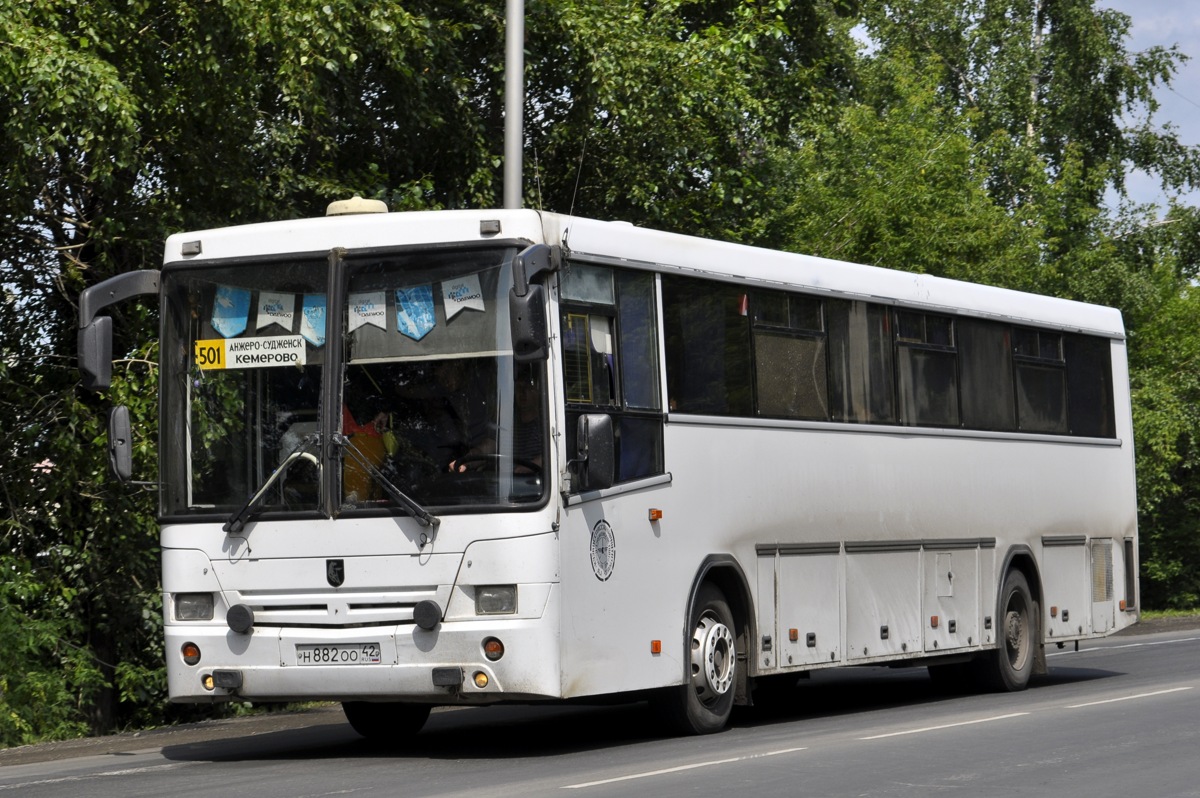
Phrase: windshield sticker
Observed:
(312, 319)
(231, 310)
(368, 307)
(462, 294)
(414, 311)
(276, 309)
(250, 353)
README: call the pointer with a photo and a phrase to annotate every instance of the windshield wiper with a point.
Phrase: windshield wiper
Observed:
(238, 520)
(423, 516)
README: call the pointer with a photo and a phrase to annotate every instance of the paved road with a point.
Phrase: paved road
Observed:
(1119, 717)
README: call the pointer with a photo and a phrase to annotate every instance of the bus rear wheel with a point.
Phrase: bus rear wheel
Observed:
(386, 722)
(1009, 667)
(703, 704)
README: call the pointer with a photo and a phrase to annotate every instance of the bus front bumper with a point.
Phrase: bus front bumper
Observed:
(446, 665)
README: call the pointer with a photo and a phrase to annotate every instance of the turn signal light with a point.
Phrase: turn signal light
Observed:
(191, 653)
(933, 621)
(655, 514)
(493, 649)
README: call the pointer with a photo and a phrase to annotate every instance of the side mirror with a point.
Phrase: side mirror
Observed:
(527, 304)
(95, 333)
(595, 451)
(527, 320)
(95, 353)
(120, 440)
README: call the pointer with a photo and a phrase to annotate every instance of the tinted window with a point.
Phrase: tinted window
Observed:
(926, 370)
(1089, 386)
(860, 362)
(790, 376)
(985, 359)
(708, 347)
(1041, 381)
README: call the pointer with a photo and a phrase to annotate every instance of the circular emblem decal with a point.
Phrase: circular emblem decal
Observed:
(604, 550)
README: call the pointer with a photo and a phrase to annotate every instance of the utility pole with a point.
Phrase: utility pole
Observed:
(514, 101)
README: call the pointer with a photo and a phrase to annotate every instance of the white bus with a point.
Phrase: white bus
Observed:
(465, 457)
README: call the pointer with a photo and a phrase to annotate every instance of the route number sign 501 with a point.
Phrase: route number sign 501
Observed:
(249, 353)
(210, 354)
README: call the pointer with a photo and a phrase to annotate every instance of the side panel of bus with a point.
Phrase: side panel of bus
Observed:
(844, 543)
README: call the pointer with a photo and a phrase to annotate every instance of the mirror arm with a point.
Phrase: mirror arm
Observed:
(532, 262)
(113, 290)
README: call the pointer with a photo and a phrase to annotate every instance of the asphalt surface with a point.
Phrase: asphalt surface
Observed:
(237, 731)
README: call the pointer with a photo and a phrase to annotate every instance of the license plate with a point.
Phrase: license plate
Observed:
(337, 654)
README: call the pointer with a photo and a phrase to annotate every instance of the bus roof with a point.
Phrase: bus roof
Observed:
(623, 243)
(786, 270)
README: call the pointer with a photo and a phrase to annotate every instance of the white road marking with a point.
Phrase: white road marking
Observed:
(944, 726)
(665, 771)
(88, 776)
(1127, 645)
(1128, 697)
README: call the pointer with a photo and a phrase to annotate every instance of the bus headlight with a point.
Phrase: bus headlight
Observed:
(495, 599)
(193, 606)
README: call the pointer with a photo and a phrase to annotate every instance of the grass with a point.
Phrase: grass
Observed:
(1150, 615)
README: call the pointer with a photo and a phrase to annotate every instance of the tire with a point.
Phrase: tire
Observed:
(703, 705)
(386, 722)
(1009, 667)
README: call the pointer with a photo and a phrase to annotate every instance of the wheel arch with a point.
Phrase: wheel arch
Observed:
(726, 574)
(1021, 558)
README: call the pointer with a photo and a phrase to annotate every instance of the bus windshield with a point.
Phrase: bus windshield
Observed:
(430, 401)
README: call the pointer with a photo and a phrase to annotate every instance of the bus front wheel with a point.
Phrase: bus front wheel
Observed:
(385, 722)
(703, 704)
(1008, 668)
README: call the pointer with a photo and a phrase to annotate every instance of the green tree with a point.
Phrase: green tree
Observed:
(980, 144)
(662, 113)
(975, 139)
(123, 122)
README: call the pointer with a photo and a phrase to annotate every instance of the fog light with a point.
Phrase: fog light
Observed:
(481, 679)
(495, 599)
(493, 649)
(191, 653)
(193, 606)
(206, 681)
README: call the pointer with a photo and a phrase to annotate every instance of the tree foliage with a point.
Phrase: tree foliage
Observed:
(977, 139)
(981, 143)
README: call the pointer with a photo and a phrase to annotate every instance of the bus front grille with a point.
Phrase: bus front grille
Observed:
(340, 610)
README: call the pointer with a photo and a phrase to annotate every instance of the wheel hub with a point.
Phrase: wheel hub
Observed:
(713, 657)
(1014, 633)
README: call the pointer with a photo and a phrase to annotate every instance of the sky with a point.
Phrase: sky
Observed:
(1166, 23)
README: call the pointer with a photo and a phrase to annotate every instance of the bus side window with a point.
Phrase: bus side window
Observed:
(926, 369)
(708, 357)
(1089, 386)
(610, 361)
(790, 372)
